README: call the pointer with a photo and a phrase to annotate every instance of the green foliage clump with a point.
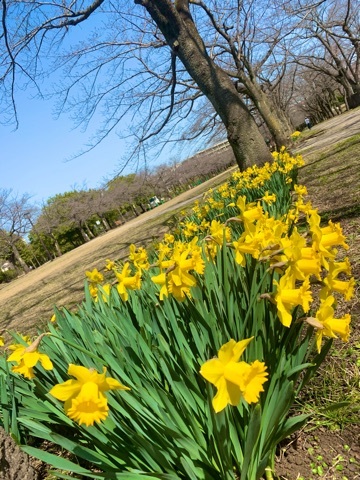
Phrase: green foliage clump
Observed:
(155, 342)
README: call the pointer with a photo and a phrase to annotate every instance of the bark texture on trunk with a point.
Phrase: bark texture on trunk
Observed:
(84, 235)
(181, 34)
(274, 120)
(57, 246)
(19, 259)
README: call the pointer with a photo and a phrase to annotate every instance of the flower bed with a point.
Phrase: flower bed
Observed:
(185, 362)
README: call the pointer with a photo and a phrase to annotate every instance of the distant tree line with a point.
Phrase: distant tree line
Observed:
(30, 236)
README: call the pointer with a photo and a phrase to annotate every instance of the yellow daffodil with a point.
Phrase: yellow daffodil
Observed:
(139, 257)
(27, 357)
(287, 297)
(303, 207)
(180, 281)
(300, 190)
(269, 198)
(295, 135)
(88, 407)
(335, 268)
(84, 399)
(169, 238)
(189, 229)
(246, 244)
(110, 264)
(233, 379)
(324, 238)
(345, 287)
(95, 276)
(93, 289)
(332, 236)
(184, 260)
(333, 284)
(303, 261)
(127, 281)
(1, 341)
(328, 326)
(249, 212)
(164, 250)
(219, 231)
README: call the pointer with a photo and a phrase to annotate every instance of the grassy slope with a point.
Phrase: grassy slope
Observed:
(332, 176)
(328, 448)
(27, 302)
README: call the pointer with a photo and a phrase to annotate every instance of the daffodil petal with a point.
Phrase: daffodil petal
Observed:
(30, 359)
(45, 361)
(240, 348)
(221, 398)
(113, 384)
(256, 377)
(88, 407)
(82, 374)
(16, 355)
(65, 391)
(212, 370)
(236, 373)
(225, 353)
(234, 393)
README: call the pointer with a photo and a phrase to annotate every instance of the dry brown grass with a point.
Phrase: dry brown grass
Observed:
(28, 302)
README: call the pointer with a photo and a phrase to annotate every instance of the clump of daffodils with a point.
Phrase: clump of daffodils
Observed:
(298, 260)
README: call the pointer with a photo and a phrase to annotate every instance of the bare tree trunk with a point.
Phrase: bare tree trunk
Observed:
(57, 246)
(105, 223)
(180, 32)
(90, 233)
(19, 259)
(277, 124)
(84, 234)
(134, 210)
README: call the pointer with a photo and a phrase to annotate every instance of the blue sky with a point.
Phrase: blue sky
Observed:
(35, 157)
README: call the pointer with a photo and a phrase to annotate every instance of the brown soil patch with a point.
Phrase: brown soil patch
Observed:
(321, 454)
(14, 464)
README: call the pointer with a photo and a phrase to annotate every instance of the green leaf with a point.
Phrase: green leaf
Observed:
(56, 461)
(251, 440)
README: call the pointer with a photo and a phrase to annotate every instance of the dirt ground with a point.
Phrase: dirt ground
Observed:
(334, 187)
(14, 464)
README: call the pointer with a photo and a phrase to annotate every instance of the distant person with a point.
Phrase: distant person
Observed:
(308, 122)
